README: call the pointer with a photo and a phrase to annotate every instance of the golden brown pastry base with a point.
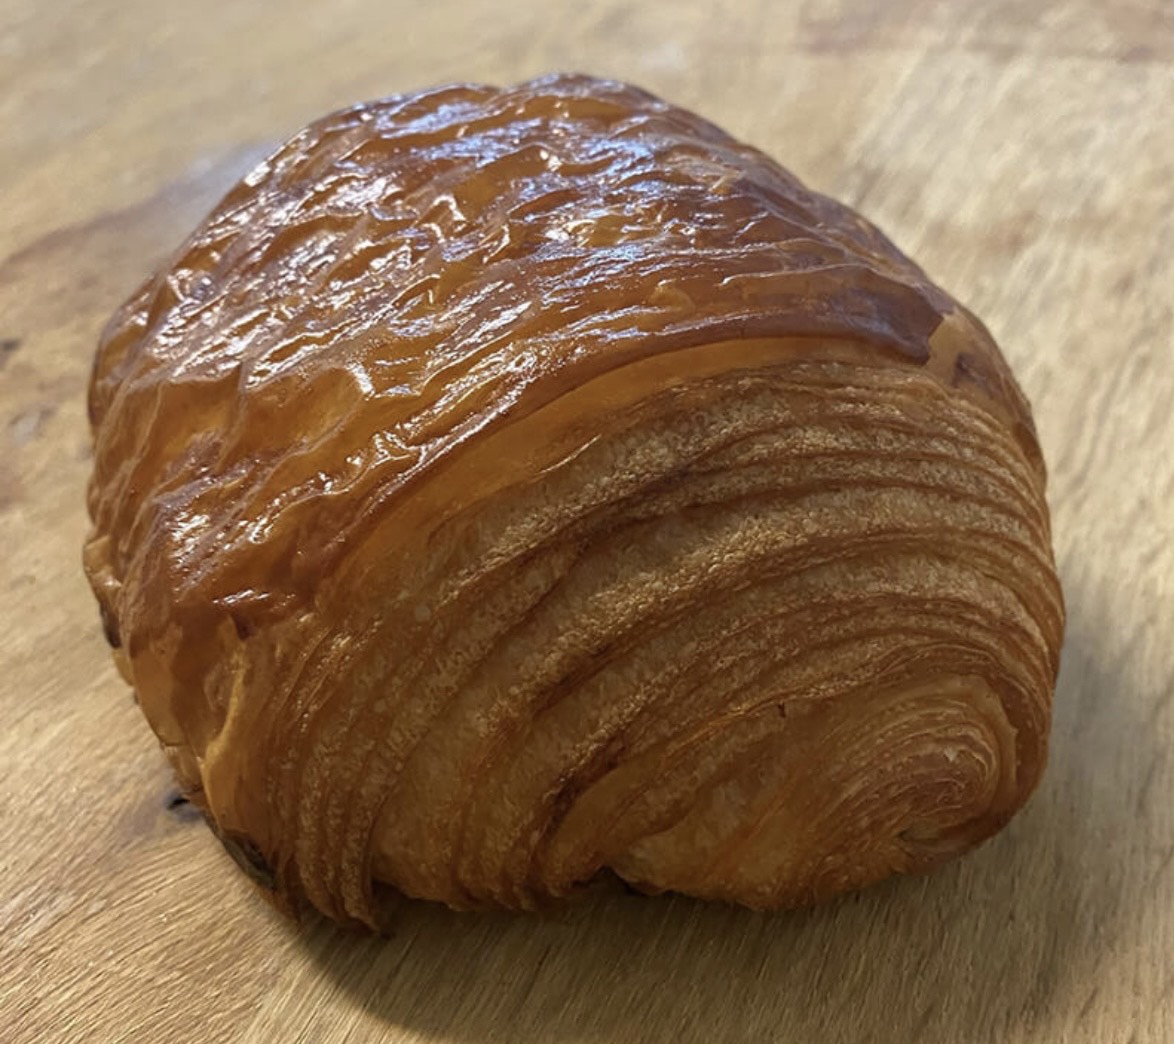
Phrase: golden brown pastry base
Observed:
(507, 486)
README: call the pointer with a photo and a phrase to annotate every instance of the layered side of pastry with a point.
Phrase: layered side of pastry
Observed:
(505, 487)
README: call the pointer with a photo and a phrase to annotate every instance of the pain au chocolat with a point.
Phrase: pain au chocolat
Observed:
(504, 488)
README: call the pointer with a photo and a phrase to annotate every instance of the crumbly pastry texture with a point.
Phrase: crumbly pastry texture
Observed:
(505, 488)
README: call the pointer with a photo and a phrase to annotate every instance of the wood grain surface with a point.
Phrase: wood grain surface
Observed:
(1022, 151)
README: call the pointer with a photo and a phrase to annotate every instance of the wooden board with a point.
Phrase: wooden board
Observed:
(1021, 151)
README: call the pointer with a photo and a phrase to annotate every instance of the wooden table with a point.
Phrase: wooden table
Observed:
(1023, 152)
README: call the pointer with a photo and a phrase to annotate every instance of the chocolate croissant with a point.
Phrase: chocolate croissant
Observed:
(507, 488)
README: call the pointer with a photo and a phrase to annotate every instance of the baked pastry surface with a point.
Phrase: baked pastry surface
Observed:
(506, 486)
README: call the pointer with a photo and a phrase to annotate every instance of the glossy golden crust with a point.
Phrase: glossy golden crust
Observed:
(502, 486)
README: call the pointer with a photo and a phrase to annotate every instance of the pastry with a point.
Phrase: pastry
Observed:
(503, 489)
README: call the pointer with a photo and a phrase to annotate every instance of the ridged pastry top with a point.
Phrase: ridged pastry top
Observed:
(504, 486)
(404, 274)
